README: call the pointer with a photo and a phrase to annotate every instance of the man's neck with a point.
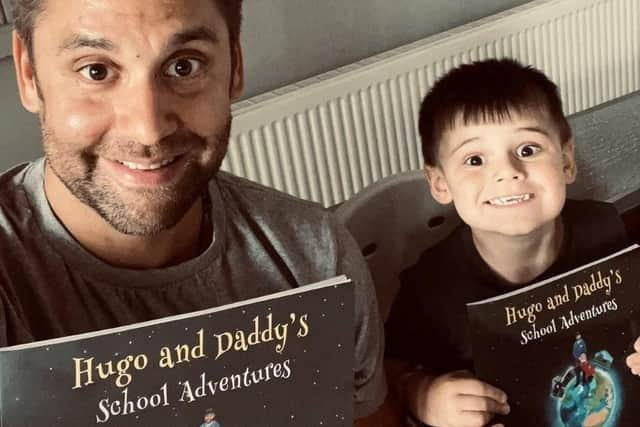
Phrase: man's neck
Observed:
(169, 247)
(521, 259)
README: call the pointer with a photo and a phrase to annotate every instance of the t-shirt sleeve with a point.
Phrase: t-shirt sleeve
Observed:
(427, 322)
(401, 332)
(369, 379)
(409, 331)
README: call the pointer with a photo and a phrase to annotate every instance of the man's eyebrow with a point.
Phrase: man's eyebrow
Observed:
(198, 33)
(77, 41)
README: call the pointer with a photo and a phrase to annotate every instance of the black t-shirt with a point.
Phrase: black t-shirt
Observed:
(428, 323)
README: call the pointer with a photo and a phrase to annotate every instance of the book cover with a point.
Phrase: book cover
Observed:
(285, 359)
(558, 347)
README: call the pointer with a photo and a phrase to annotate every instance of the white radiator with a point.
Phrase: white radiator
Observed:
(326, 138)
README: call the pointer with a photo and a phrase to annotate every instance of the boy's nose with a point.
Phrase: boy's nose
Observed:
(509, 169)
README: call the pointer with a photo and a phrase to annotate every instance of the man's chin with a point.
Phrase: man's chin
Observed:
(143, 219)
(142, 226)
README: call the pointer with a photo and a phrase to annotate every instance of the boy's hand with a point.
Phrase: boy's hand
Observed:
(633, 361)
(458, 399)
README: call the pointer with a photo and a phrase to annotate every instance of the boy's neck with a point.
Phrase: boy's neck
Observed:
(520, 259)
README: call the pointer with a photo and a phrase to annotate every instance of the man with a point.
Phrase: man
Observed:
(127, 218)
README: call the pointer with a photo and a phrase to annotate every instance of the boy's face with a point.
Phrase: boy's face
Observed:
(507, 178)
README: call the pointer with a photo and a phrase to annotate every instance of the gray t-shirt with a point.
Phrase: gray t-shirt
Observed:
(263, 241)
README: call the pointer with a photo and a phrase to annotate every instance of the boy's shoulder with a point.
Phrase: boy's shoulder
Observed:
(596, 229)
(440, 261)
(585, 213)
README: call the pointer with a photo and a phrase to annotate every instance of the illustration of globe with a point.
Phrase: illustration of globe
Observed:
(588, 405)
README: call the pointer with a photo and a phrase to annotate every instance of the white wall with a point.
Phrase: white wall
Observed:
(290, 40)
(284, 41)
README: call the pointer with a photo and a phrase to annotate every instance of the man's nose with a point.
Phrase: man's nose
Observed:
(509, 168)
(145, 113)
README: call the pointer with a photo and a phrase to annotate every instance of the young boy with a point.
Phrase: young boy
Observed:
(495, 143)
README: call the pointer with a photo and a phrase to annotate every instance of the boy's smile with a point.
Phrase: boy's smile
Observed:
(506, 177)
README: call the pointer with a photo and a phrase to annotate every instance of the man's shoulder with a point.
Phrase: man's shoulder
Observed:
(264, 201)
(14, 203)
(12, 179)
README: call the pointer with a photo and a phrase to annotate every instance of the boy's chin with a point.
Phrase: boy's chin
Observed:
(515, 230)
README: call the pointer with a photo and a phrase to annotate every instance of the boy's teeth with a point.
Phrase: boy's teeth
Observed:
(153, 166)
(509, 200)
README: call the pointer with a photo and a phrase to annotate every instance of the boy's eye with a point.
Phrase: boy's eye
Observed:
(473, 161)
(183, 67)
(527, 150)
(95, 72)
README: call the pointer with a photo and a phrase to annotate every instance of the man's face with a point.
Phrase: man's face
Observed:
(208, 418)
(134, 100)
(507, 178)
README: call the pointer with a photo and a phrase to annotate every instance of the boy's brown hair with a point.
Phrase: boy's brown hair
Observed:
(487, 91)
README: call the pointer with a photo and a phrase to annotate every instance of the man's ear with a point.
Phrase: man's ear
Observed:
(569, 167)
(236, 85)
(438, 184)
(25, 75)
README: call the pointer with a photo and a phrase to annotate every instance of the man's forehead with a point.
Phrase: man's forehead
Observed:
(86, 13)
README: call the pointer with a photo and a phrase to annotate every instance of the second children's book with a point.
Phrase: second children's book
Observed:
(558, 348)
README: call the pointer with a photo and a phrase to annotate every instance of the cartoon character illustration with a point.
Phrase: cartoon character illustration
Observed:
(209, 419)
(583, 369)
(585, 390)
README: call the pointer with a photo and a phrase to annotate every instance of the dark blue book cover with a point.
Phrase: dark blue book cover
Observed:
(285, 359)
(558, 347)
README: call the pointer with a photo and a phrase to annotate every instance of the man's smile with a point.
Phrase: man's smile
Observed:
(147, 172)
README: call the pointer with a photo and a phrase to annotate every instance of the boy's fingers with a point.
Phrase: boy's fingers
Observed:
(636, 345)
(479, 388)
(482, 404)
(633, 361)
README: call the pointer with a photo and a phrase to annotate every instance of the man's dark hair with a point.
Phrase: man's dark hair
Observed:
(486, 91)
(25, 13)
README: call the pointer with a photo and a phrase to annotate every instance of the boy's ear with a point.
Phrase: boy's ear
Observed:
(569, 167)
(25, 75)
(438, 184)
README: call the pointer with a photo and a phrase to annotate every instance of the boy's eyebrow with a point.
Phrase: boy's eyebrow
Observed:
(535, 129)
(463, 143)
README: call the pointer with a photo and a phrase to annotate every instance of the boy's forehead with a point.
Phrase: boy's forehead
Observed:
(512, 120)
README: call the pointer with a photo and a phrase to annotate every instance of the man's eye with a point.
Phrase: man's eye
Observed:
(95, 72)
(527, 150)
(183, 67)
(473, 161)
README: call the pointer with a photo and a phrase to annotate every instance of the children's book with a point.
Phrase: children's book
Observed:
(558, 347)
(285, 359)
